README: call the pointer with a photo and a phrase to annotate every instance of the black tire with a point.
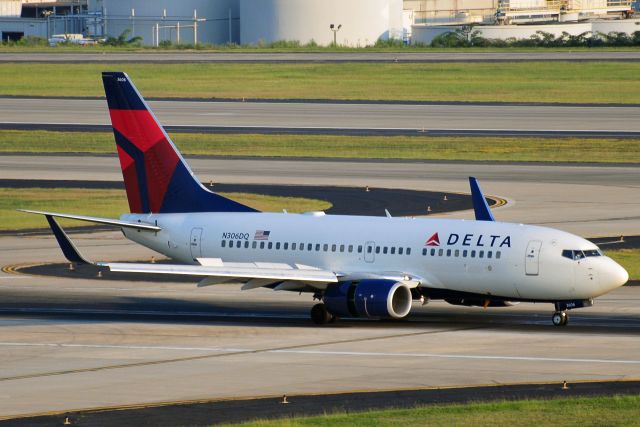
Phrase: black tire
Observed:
(559, 318)
(320, 315)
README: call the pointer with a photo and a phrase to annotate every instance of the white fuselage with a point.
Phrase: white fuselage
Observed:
(505, 260)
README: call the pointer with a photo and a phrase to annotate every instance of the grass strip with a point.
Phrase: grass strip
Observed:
(567, 82)
(330, 146)
(579, 412)
(110, 204)
(629, 259)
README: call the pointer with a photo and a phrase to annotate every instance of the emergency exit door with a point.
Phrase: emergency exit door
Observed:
(532, 258)
(196, 243)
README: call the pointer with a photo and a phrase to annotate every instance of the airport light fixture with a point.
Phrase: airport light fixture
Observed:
(335, 30)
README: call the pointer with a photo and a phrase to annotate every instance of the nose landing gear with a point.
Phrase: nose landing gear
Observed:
(560, 318)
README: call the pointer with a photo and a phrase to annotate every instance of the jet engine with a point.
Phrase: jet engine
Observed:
(368, 298)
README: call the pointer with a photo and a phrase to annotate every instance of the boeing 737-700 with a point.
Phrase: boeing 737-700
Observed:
(356, 266)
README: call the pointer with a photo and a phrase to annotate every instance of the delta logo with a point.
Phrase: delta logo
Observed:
(433, 240)
(479, 240)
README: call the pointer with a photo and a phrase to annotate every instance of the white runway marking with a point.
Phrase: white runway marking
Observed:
(329, 353)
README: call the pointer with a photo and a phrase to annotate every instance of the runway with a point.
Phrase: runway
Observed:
(182, 57)
(75, 343)
(589, 200)
(337, 117)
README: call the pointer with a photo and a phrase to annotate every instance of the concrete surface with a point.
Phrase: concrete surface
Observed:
(466, 117)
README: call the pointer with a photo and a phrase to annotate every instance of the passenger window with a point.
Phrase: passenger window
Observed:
(369, 249)
(440, 252)
(325, 247)
(497, 254)
(424, 252)
(293, 246)
(269, 245)
(448, 252)
(246, 244)
(350, 248)
(464, 253)
(408, 251)
(278, 245)
(489, 254)
(457, 253)
(285, 246)
(384, 250)
(310, 247)
(261, 245)
(359, 249)
(224, 243)
(333, 248)
(230, 243)
(317, 247)
(393, 250)
(400, 250)
(481, 254)
(377, 249)
(433, 252)
(254, 245)
(473, 254)
(341, 248)
(302, 246)
(238, 244)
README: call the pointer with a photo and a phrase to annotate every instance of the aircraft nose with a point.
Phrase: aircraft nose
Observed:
(614, 275)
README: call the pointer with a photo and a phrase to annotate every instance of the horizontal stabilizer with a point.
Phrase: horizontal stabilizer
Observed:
(107, 221)
(480, 205)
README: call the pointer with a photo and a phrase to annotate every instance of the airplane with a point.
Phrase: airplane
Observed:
(355, 266)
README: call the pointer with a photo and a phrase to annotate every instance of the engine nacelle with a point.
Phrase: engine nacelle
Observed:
(479, 302)
(368, 298)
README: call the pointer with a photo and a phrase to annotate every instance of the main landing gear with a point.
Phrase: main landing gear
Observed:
(560, 318)
(320, 315)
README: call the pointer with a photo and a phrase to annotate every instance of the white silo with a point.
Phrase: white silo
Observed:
(355, 22)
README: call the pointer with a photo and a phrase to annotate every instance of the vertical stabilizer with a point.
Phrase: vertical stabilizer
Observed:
(156, 177)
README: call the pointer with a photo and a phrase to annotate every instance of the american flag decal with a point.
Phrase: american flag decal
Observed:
(261, 235)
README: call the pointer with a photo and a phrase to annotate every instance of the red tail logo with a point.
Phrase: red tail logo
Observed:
(433, 240)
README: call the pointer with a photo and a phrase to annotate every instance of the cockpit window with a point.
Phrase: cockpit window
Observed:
(592, 252)
(578, 255)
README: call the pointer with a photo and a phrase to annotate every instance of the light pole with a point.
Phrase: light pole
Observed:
(335, 32)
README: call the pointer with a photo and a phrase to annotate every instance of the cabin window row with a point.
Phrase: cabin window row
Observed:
(317, 247)
(464, 253)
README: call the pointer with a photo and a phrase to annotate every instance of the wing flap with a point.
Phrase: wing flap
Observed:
(249, 272)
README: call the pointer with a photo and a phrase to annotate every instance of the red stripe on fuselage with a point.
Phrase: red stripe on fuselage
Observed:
(130, 181)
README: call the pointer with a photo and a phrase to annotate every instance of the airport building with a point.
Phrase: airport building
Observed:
(345, 22)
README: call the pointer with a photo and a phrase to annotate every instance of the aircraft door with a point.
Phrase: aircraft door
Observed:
(532, 258)
(196, 243)
(369, 251)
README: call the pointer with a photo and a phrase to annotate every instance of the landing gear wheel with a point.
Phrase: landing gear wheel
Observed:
(560, 318)
(320, 315)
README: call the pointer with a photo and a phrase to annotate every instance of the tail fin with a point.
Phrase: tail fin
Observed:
(156, 177)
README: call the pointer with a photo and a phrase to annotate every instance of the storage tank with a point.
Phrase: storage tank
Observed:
(355, 22)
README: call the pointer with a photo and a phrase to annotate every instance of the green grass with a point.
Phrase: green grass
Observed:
(629, 259)
(110, 204)
(397, 147)
(569, 82)
(579, 412)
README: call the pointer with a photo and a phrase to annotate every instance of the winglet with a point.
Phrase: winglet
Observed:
(480, 205)
(68, 248)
